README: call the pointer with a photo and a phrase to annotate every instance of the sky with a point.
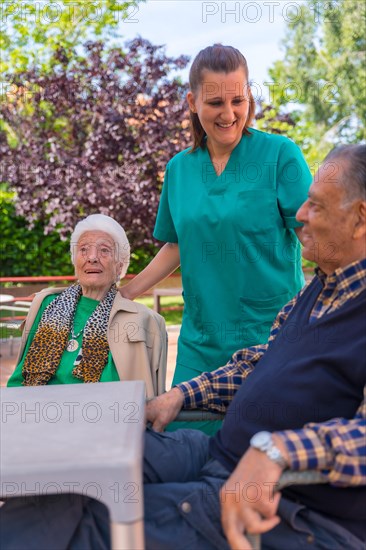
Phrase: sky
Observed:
(256, 28)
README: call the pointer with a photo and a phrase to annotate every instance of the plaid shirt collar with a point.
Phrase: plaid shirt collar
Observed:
(347, 280)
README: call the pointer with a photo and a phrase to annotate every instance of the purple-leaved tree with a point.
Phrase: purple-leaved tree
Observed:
(94, 136)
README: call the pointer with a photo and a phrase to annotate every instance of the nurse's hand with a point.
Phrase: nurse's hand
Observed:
(162, 410)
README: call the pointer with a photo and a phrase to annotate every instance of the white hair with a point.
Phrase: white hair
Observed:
(100, 222)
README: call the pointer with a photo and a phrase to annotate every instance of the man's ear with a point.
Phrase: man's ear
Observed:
(191, 102)
(360, 225)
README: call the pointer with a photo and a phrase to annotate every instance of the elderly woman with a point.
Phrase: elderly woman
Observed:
(89, 332)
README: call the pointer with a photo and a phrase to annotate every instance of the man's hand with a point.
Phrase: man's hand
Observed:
(247, 500)
(163, 409)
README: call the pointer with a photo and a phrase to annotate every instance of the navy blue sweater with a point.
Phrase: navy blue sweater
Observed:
(309, 373)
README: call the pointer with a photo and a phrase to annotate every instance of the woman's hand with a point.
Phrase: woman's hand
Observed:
(165, 262)
(162, 410)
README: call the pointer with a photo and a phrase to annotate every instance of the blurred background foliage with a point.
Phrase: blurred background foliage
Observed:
(31, 32)
(30, 253)
(321, 79)
(25, 252)
(86, 126)
(95, 136)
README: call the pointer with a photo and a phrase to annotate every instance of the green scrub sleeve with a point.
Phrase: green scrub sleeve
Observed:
(164, 225)
(293, 181)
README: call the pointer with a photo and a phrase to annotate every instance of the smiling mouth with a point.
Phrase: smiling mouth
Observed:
(221, 125)
(305, 237)
(89, 271)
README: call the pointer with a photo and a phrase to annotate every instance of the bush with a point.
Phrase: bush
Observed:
(94, 136)
(29, 252)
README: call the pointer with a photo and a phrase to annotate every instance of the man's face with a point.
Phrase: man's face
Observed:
(327, 233)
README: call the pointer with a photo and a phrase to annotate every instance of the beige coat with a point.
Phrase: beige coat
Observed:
(137, 339)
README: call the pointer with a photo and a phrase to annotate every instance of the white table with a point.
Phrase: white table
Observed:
(85, 436)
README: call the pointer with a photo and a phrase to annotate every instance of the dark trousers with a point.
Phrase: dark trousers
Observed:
(182, 509)
(182, 503)
(54, 522)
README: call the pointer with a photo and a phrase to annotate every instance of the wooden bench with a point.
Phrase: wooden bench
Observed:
(159, 292)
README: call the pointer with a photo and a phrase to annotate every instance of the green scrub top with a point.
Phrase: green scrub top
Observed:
(240, 257)
(63, 375)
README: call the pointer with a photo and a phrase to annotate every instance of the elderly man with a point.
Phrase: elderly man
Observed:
(297, 402)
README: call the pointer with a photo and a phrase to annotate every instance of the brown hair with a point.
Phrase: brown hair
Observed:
(218, 59)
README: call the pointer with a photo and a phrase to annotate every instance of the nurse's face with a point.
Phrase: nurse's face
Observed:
(222, 105)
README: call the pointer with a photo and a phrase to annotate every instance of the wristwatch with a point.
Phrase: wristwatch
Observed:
(263, 442)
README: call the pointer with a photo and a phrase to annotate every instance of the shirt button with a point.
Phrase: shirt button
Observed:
(310, 539)
(186, 507)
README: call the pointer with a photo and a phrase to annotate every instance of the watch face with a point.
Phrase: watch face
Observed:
(261, 440)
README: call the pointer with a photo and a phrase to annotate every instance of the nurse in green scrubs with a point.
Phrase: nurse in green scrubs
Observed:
(227, 216)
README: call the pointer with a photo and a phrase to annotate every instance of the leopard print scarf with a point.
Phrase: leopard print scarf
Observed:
(51, 337)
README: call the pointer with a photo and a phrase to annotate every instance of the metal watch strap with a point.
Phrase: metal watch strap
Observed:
(276, 456)
(262, 441)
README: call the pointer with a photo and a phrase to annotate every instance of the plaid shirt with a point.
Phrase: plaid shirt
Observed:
(337, 446)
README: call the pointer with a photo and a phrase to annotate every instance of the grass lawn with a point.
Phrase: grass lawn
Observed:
(6, 332)
(172, 317)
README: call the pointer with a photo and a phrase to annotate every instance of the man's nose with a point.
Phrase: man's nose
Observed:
(301, 214)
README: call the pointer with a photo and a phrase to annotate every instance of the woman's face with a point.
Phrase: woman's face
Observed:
(222, 105)
(96, 265)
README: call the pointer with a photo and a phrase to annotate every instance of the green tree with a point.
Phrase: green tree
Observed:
(31, 32)
(321, 78)
(94, 137)
(29, 253)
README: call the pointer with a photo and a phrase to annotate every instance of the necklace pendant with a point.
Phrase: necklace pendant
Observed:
(72, 345)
